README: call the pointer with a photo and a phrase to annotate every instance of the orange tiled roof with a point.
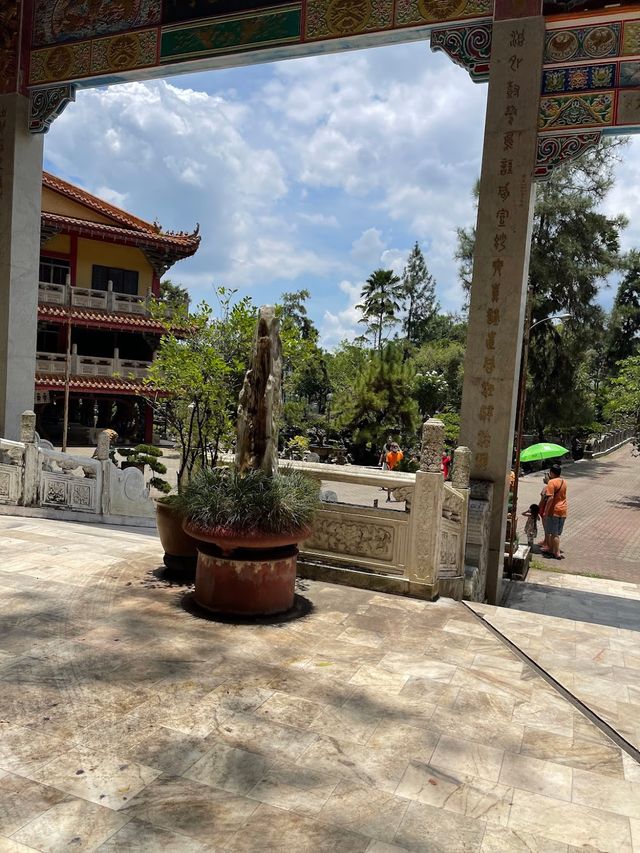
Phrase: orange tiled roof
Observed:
(99, 384)
(125, 219)
(99, 319)
(186, 244)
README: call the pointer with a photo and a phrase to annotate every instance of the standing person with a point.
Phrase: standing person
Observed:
(531, 525)
(445, 464)
(543, 499)
(393, 457)
(555, 512)
(382, 462)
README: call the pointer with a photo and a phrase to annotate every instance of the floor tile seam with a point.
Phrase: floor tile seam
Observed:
(67, 796)
(608, 730)
(26, 846)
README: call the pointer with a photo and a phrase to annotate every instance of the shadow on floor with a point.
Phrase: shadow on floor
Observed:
(573, 604)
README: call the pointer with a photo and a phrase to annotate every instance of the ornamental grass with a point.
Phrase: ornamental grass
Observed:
(253, 502)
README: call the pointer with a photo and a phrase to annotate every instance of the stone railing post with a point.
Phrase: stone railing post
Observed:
(432, 448)
(423, 554)
(461, 468)
(110, 296)
(103, 445)
(460, 481)
(31, 454)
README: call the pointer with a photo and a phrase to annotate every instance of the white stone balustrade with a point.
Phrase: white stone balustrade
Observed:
(423, 548)
(87, 365)
(86, 297)
(37, 480)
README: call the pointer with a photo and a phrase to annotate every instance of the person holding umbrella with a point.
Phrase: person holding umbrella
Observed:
(554, 512)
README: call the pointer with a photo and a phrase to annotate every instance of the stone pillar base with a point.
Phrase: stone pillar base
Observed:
(261, 584)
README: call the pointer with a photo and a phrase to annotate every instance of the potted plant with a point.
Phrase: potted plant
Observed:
(249, 519)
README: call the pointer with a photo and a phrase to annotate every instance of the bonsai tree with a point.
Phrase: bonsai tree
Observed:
(143, 455)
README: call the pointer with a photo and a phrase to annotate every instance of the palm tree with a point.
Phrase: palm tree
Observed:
(381, 298)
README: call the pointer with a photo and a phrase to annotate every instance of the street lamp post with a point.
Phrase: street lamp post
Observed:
(522, 394)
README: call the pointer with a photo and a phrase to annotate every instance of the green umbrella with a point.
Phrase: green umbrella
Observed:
(544, 450)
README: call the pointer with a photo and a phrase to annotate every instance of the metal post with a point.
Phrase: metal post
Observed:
(67, 373)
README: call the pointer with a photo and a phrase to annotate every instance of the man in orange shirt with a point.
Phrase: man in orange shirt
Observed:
(393, 457)
(554, 512)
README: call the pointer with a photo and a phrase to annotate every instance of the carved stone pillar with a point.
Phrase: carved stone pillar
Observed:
(501, 257)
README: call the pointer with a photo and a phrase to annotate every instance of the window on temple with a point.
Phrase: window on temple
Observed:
(54, 271)
(124, 281)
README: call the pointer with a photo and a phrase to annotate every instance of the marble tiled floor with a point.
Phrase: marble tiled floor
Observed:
(585, 632)
(375, 723)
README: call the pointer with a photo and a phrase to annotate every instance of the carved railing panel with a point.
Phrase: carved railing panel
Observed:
(360, 536)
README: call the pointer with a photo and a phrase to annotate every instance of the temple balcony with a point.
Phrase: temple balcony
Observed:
(54, 363)
(85, 297)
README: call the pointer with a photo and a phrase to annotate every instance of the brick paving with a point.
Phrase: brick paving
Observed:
(602, 533)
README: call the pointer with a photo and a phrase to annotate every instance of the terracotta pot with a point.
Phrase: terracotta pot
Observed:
(175, 542)
(258, 584)
(230, 540)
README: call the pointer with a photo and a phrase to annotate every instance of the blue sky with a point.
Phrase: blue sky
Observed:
(306, 173)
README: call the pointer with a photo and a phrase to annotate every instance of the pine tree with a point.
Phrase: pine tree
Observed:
(624, 325)
(380, 403)
(419, 295)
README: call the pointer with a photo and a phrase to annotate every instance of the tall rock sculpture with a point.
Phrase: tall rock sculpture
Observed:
(261, 399)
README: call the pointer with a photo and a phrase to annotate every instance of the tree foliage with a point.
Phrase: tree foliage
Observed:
(575, 247)
(381, 297)
(380, 403)
(623, 394)
(418, 296)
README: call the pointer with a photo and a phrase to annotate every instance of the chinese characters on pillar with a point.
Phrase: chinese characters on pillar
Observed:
(510, 176)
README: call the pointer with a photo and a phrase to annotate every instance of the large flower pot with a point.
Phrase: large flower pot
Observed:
(258, 583)
(180, 549)
(245, 575)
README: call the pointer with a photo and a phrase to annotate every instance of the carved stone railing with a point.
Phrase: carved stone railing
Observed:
(37, 480)
(421, 550)
(86, 297)
(11, 471)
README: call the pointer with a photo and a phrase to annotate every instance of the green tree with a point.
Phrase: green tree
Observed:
(293, 310)
(381, 299)
(196, 376)
(624, 324)
(419, 297)
(623, 393)
(380, 403)
(174, 295)
(439, 370)
(574, 247)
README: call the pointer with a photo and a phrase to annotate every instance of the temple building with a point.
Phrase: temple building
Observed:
(99, 268)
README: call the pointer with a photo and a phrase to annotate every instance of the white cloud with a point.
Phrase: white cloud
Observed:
(368, 248)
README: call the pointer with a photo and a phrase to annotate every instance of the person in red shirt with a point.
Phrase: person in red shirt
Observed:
(554, 512)
(445, 464)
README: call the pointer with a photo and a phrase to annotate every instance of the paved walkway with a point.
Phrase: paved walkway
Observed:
(602, 533)
(375, 723)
